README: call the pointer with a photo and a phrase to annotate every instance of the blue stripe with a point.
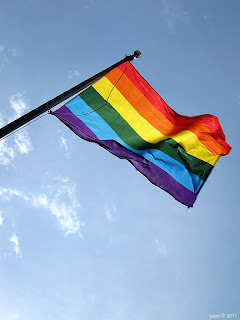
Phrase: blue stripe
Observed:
(104, 132)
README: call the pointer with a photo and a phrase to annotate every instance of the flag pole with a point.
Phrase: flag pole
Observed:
(18, 123)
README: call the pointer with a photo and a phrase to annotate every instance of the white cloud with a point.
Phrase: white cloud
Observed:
(7, 153)
(64, 206)
(7, 193)
(5, 54)
(62, 179)
(1, 218)
(209, 21)
(16, 248)
(63, 144)
(60, 200)
(109, 215)
(40, 200)
(20, 142)
(208, 18)
(3, 57)
(23, 141)
(238, 99)
(110, 211)
(13, 52)
(74, 74)
(172, 14)
(62, 203)
(18, 104)
(89, 4)
(161, 248)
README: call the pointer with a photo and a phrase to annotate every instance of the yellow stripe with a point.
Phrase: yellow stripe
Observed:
(187, 139)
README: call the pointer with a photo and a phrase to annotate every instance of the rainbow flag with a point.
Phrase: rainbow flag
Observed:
(123, 114)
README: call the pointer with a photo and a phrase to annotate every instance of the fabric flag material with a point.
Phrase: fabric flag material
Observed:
(123, 114)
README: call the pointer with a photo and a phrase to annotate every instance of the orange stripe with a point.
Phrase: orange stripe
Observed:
(210, 121)
(142, 105)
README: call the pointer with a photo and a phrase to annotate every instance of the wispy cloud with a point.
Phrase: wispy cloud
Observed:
(65, 206)
(173, 14)
(7, 193)
(5, 55)
(13, 52)
(74, 74)
(89, 4)
(1, 218)
(209, 20)
(110, 211)
(63, 144)
(40, 201)
(62, 179)
(18, 104)
(21, 141)
(60, 200)
(15, 241)
(161, 248)
(62, 203)
(238, 99)
(7, 153)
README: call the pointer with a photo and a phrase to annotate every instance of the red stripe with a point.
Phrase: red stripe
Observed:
(176, 119)
(156, 118)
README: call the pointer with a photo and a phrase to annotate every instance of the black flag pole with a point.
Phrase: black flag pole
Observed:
(18, 123)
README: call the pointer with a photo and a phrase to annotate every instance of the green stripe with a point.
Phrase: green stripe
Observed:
(129, 136)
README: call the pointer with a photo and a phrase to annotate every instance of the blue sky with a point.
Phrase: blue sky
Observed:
(82, 234)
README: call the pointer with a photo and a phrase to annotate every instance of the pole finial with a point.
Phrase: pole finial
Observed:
(137, 54)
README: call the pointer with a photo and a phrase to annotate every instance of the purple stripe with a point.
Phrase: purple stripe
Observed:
(152, 172)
